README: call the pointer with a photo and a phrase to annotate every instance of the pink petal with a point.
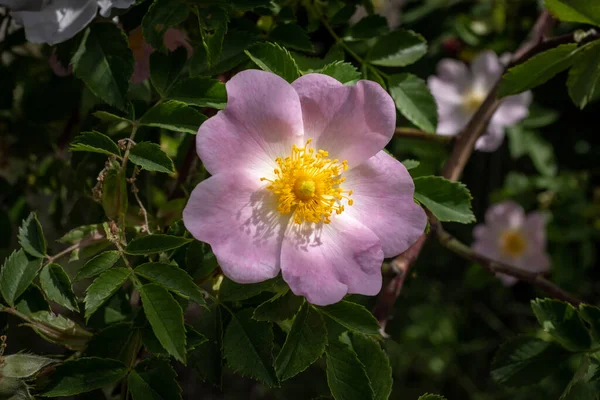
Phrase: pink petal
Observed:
(536, 261)
(383, 202)
(175, 38)
(455, 72)
(486, 68)
(350, 122)
(233, 213)
(261, 122)
(492, 139)
(444, 91)
(512, 109)
(535, 228)
(338, 258)
(507, 213)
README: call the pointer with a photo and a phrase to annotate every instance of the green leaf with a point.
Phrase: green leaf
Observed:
(31, 236)
(207, 359)
(154, 379)
(232, 291)
(591, 315)
(541, 152)
(448, 201)
(172, 278)
(562, 321)
(369, 27)
(397, 49)
(114, 193)
(279, 308)
(582, 11)
(98, 264)
(584, 76)
(376, 363)
(60, 330)
(95, 142)
(410, 164)
(23, 365)
(199, 260)
(537, 70)
(152, 244)
(105, 63)
(304, 344)
(523, 361)
(102, 288)
(84, 375)
(166, 68)
(174, 116)
(17, 274)
(248, 346)
(273, 58)
(108, 117)
(346, 375)
(162, 15)
(57, 285)
(32, 300)
(342, 71)
(414, 101)
(353, 316)
(291, 36)
(585, 384)
(213, 27)
(75, 235)
(150, 157)
(200, 92)
(166, 319)
(428, 396)
(234, 44)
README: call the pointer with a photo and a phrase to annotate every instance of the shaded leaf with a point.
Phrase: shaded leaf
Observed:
(200, 92)
(98, 264)
(413, 99)
(95, 142)
(155, 244)
(292, 36)
(172, 278)
(376, 363)
(154, 379)
(448, 201)
(17, 274)
(150, 157)
(583, 83)
(232, 291)
(353, 316)
(31, 236)
(281, 307)
(174, 116)
(561, 320)
(162, 15)
(102, 288)
(582, 11)
(57, 285)
(591, 315)
(166, 68)
(346, 375)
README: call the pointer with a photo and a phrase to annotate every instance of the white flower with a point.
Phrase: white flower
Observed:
(54, 21)
(459, 92)
(390, 9)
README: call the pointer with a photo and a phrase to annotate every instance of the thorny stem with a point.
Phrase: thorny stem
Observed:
(130, 143)
(135, 191)
(461, 152)
(83, 243)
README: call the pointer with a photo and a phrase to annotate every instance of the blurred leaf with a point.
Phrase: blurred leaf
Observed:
(84, 375)
(291, 36)
(102, 288)
(23, 365)
(166, 68)
(174, 116)
(376, 363)
(342, 71)
(346, 375)
(206, 358)
(591, 315)
(109, 117)
(114, 193)
(154, 379)
(448, 201)
(166, 318)
(273, 58)
(105, 63)
(541, 152)
(279, 308)
(304, 344)
(14, 389)
(151, 244)
(539, 117)
(248, 346)
(150, 157)
(200, 92)
(231, 291)
(582, 11)
(95, 142)
(113, 340)
(172, 278)
(584, 385)
(523, 361)
(98, 264)
(17, 274)
(410, 164)
(353, 316)
(537, 70)
(56, 284)
(562, 321)
(397, 49)
(31, 236)
(414, 101)
(200, 260)
(584, 76)
(431, 397)
(162, 15)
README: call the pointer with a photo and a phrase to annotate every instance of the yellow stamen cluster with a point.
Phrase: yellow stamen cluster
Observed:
(513, 243)
(473, 100)
(307, 184)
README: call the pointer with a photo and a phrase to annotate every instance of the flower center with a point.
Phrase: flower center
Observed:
(513, 243)
(473, 100)
(307, 184)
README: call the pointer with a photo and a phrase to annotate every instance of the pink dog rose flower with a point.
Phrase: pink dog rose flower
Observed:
(459, 92)
(390, 9)
(173, 38)
(511, 237)
(300, 183)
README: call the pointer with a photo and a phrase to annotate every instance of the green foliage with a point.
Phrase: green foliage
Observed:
(448, 201)
(271, 57)
(591, 315)
(562, 321)
(584, 77)
(166, 69)
(231, 291)
(342, 71)
(175, 116)
(162, 15)
(17, 274)
(103, 287)
(376, 363)
(105, 63)
(248, 347)
(172, 278)
(200, 92)
(23, 365)
(581, 11)
(413, 100)
(57, 285)
(346, 375)
(152, 244)
(353, 316)
(166, 318)
(98, 264)
(95, 142)
(291, 36)
(524, 142)
(398, 49)
(280, 307)
(31, 236)
(154, 379)
(431, 397)
(84, 375)
(150, 157)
